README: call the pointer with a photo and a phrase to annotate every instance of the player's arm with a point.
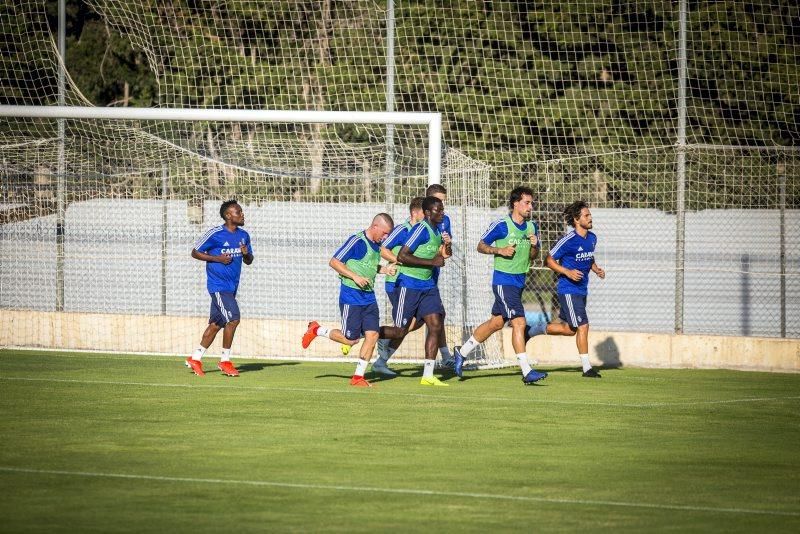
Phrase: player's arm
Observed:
(343, 270)
(388, 255)
(222, 258)
(407, 257)
(486, 243)
(390, 269)
(535, 246)
(247, 256)
(573, 274)
(599, 271)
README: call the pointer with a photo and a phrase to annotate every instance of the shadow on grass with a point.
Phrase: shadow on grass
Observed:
(249, 367)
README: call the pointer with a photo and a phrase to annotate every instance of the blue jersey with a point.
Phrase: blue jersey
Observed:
(354, 249)
(575, 252)
(499, 230)
(220, 240)
(398, 237)
(418, 236)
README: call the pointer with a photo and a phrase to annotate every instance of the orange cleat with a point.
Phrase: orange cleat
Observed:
(360, 382)
(227, 368)
(310, 334)
(196, 366)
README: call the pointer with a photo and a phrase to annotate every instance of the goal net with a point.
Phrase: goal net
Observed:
(677, 121)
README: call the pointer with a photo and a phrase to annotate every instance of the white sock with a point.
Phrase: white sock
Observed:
(467, 347)
(445, 352)
(522, 358)
(198, 353)
(427, 371)
(322, 331)
(226, 355)
(585, 362)
(361, 367)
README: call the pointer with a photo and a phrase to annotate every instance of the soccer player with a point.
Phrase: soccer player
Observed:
(224, 248)
(389, 250)
(357, 262)
(572, 257)
(418, 296)
(387, 347)
(514, 242)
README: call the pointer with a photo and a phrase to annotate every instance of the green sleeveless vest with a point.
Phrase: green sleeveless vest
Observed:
(395, 250)
(366, 266)
(426, 252)
(520, 262)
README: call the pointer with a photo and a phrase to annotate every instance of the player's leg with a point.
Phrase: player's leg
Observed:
(363, 321)
(431, 311)
(574, 309)
(500, 313)
(216, 322)
(529, 375)
(334, 334)
(230, 310)
(388, 346)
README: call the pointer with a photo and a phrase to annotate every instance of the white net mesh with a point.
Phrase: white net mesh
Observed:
(576, 99)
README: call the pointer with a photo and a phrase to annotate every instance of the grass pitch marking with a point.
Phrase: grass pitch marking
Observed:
(351, 391)
(402, 491)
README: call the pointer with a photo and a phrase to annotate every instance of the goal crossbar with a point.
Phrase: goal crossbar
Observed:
(432, 120)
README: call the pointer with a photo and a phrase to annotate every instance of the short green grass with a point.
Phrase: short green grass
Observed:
(102, 443)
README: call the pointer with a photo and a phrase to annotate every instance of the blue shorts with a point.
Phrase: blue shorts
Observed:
(224, 308)
(416, 303)
(508, 302)
(358, 319)
(573, 309)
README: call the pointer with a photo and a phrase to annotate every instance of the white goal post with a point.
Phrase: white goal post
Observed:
(432, 120)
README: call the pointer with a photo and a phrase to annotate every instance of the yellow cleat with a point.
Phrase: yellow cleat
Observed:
(433, 381)
(345, 350)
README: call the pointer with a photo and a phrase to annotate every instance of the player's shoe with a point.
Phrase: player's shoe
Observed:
(360, 382)
(383, 348)
(458, 362)
(227, 368)
(310, 334)
(379, 366)
(449, 363)
(433, 381)
(533, 376)
(591, 373)
(345, 349)
(196, 366)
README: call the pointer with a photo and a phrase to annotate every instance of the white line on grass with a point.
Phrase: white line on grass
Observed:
(353, 391)
(403, 491)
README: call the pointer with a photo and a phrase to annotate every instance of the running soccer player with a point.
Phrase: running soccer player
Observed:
(572, 257)
(418, 296)
(224, 248)
(389, 249)
(357, 262)
(514, 242)
(439, 191)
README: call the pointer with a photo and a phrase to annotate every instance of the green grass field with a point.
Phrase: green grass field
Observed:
(95, 442)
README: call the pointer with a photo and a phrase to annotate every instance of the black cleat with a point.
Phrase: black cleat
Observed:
(591, 373)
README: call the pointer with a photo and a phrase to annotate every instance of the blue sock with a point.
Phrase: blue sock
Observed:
(536, 329)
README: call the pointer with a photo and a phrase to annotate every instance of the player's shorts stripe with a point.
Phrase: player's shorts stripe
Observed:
(503, 300)
(491, 227)
(561, 242)
(205, 237)
(398, 313)
(414, 236)
(571, 309)
(353, 240)
(221, 305)
(345, 313)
